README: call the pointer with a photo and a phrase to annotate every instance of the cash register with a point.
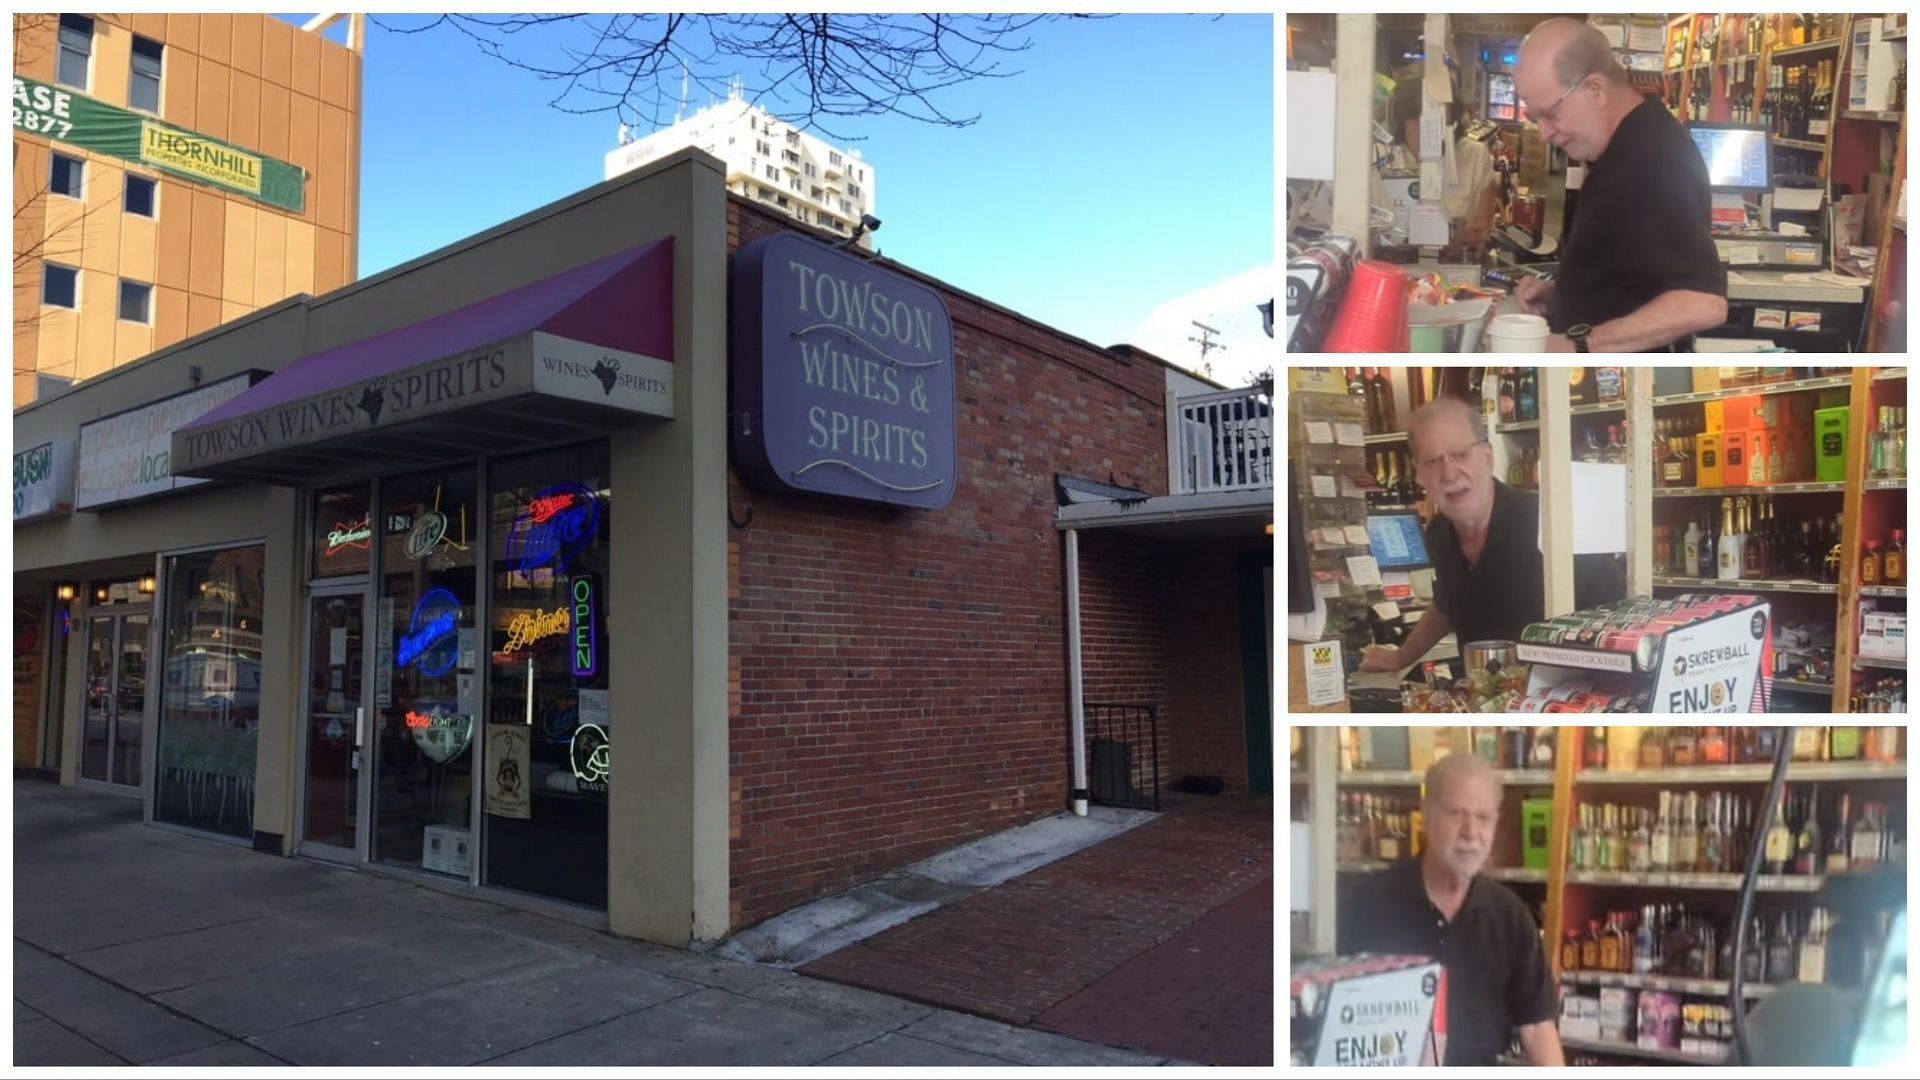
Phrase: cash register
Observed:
(1770, 231)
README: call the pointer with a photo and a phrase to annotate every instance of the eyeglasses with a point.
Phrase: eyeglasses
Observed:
(1459, 457)
(1459, 818)
(1550, 115)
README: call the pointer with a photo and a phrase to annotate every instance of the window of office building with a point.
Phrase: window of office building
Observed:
(136, 301)
(68, 177)
(550, 720)
(143, 83)
(426, 670)
(76, 51)
(140, 194)
(210, 691)
(59, 285)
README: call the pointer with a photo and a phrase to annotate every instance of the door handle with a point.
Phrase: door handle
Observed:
(360, 725)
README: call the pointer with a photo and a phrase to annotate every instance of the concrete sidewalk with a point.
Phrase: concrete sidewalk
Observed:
(137, 945)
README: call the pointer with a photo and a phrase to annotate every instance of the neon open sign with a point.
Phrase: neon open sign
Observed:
(586, 643)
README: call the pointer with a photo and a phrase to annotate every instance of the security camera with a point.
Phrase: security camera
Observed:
(868, 223)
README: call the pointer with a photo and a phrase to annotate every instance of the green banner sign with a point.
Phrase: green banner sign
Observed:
(61, 114)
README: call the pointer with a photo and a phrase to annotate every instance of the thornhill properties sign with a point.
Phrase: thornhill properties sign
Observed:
(843, 376)
(64, 116)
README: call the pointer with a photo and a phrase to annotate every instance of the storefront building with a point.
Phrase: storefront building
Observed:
(422, 563)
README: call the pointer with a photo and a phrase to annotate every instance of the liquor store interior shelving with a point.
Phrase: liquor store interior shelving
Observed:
(1785, 484)
(1627, 843)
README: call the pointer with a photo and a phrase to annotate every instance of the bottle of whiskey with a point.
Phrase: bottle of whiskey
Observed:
(1686, 841)
(1713, 841)
(1808, 850)
(1653, 749)
(1779, 840)
(1640, 847)
(1681, 747)
(1837, 841)
(1662, 840)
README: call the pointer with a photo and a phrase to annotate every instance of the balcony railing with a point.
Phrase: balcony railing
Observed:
(1222, 441)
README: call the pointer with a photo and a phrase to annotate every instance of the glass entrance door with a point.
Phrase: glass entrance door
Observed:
(116, 698)
(335, 725)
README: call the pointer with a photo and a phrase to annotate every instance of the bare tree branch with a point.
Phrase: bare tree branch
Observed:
(807, 69)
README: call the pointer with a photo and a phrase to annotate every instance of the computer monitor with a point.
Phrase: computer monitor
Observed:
(1737, 156)
(1397, 542)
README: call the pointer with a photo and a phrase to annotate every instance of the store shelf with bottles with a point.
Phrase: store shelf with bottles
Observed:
(1719, 988)
(1870, 620)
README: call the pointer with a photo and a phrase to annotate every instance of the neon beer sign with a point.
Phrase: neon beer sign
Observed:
(560, 523)
(431, 639)
(530, 626)
(586, 643)
(346, 534)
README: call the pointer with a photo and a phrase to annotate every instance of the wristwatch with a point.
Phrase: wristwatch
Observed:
(1578, 335)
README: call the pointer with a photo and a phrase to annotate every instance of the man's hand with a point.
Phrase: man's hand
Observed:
(1381, 658)
(1560, 343)
(1533, 294)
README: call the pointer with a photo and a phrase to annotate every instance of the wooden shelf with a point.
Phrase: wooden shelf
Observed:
(1785, 883)
(1760, 773)
(1879, 662)
(1825, 382)
(1809, 47)
(1673, 983)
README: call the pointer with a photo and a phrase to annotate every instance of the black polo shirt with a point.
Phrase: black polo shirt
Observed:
(1497, 975)
(1496, 597)
(1642, 226)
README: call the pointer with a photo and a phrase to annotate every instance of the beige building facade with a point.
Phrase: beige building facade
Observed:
(173, 173)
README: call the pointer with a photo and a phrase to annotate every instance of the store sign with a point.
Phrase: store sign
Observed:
(558, 525)
(129, 455)
(1714, 666)
(432, 641)
(590, 754)
(43, 480)
(585, 611)
(843, 376)
(60, 114)
(1382, 1019)
(344, 535)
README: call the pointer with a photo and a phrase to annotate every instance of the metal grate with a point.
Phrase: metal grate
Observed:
(1123, 755)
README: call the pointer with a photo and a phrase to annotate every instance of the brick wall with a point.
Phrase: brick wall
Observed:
(1123, 634)
(1207, 721)
(900, 677)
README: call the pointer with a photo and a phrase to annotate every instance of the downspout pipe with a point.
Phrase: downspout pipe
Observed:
(1076, 702)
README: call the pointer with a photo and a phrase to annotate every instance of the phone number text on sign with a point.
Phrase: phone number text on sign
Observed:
(42, 110)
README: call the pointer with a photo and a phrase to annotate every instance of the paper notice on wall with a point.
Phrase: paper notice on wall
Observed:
(1363, 570)
(1429, 226)
(1324, 487)
(469, 693)
(1356, 534)
(1432, 132)
(1319, 432)
(509, 768)
(1349, 434)
(596, 708)
(1387, 610)
(337, 646)
(383, 654)
(469, 648)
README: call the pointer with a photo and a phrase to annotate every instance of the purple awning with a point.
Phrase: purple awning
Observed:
(582, 349)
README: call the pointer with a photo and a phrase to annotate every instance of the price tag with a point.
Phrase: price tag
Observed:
(1387, 610)
(1330, 536)
(1323, 486)
(1349, 435)
(1356, 534)
(1326, 589)
(1319, 432)
(1363, 570)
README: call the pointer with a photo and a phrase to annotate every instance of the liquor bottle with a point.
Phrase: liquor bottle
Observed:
(1805, 562)
(1389, 850)
(1780, 950)
(1486, 744)
(1385, 389)
(1590, 450)
(1813, 949)
(1513, 747)
(1730, 540)
(1395, 496)
(1570, 952)
(1681, 747)
(1594, 741)
(1640, 847)
(1870, 564)
(1533, 468)
(1644, 942)
(1615, 452)
(1776, 465)
(1779, 840)
(1753, 965)
(1622, 842)
(1690, 549)
(1712, 748)
(1709, 550)
(1765, 742)
(1893, 564)
(1686, 839)
(1517, 472)
(1662, 848)
(1836, 854)
(1608, 953)
(1883, 744)
(1808, 852)
(1579, 849)
(1528, 402)
(1844, 743)
(1543, 748)
(1653, 749)
(1751, 548)
(1713, 841)
(1508, 394)
(1590, 946)
(1743, 745)
(1864, 851)
(1809, 742)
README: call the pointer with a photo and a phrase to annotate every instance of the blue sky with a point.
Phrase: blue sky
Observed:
(1129, 168)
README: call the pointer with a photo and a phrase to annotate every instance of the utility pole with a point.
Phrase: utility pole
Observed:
(1207, 345)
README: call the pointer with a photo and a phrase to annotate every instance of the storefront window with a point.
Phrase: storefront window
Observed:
(426, 683)
(549, 720)
(210, 698)
(342, 532)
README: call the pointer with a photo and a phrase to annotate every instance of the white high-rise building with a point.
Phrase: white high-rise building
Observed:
(769, 161)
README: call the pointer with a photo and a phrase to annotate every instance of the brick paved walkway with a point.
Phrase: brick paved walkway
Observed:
(1205, 994)
(1016, 951)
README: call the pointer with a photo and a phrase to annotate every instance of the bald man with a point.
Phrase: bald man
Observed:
(1639, 271)
(1441, 905)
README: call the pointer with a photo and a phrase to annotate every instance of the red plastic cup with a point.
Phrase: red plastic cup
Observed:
(1373, 317)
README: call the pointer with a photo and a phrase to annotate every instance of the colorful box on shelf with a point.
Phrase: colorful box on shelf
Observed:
(1883, 635)
(1830, 443)
(1707, 474)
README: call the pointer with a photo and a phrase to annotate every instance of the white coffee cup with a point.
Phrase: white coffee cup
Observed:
(1518, 333)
